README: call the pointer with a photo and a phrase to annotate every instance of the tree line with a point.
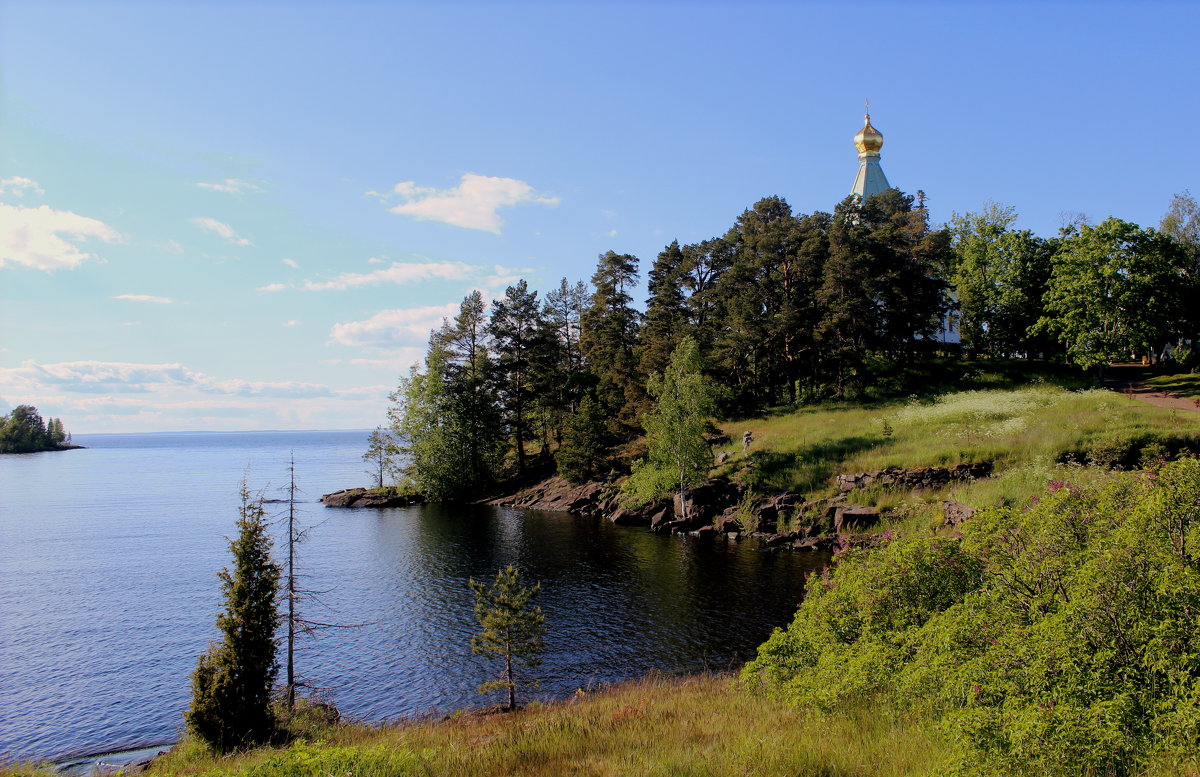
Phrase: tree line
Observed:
(25, 431)
(784, 308)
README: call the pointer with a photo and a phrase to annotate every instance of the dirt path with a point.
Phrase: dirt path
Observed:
(1124, 378)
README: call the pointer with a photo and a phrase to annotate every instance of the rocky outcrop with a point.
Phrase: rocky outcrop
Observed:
(559, 495)
(715, 507)
(366, 497)
(853, 518)
(918, 477)
(955, 512)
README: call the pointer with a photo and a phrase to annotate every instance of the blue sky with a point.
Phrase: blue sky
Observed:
(228, 216)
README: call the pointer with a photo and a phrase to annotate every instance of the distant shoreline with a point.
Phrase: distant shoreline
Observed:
(66, 447)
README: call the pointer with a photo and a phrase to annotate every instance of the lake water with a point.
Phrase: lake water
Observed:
(108, 589)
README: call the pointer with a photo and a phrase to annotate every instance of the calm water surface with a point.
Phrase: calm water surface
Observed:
(108, 588)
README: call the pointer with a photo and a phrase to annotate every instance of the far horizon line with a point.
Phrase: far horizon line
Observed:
(227, 431)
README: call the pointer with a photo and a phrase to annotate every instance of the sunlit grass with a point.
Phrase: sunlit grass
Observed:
(1018, 430)
(702, 726)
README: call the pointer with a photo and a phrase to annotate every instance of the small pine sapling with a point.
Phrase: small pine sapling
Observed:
(512, 630)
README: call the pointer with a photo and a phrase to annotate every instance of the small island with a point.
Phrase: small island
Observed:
(24, 431)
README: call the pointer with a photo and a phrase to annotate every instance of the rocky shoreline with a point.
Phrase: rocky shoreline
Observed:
(718, 507)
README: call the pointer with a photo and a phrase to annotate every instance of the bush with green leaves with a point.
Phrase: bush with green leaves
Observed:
(1057, 639)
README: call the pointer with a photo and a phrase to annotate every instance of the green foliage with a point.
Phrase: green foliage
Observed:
(231, 687)
(24, 431)
(999, 279)
(522, 341)
(381, 453)
(879, 292)
(665, 320)
(584, 442)
(1115, 290)
(679, 455)
(609, 336)
(1058, 639)
(447, 419)
(512, 630)
(423, 424)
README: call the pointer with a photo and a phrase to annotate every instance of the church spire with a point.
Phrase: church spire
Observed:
(870, 179)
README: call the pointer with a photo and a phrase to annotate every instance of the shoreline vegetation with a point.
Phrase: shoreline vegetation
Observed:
(24, 431)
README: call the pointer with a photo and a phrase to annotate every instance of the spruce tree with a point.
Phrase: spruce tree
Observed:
(584, 442)
(231, 687)
(512, 630)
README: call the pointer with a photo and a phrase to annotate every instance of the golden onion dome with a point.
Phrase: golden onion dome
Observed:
(868, 140)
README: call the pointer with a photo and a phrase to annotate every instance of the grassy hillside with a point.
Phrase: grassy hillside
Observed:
(1031, 434)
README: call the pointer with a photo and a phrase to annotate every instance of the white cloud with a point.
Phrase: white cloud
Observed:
(31, 236)
(403, 359)
(611, 233)
(145, 298)
(374, 260)
(248, 388)
(399, 272)
(293, 322)
(291, 263)
(471, 204)
(17, 186)
(96, 377)
(95, 396)
(230, 186)
(393, 328)
(222, 229)
(410, 272)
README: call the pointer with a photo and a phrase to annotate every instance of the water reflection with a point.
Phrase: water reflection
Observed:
(619, 602)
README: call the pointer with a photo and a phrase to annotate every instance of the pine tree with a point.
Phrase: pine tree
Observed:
(512, 630)
(666, 319)
(470, 391)
(609, 337)
(231, 687)
(518, 338)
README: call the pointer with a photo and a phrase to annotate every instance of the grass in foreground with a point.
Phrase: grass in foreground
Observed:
(693, 726)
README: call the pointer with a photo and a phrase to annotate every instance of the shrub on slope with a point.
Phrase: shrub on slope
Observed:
(1059, 639)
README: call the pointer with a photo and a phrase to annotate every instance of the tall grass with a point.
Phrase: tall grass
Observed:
(701, 726)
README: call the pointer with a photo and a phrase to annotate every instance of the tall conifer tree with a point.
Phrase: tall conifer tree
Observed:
(609, 337)
(231, 687)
